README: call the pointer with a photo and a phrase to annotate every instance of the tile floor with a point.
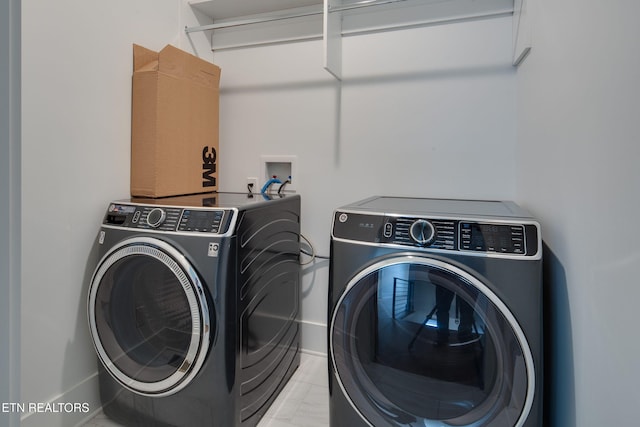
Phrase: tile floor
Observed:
(304, 402)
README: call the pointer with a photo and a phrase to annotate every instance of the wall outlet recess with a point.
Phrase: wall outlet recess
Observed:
(282, 167)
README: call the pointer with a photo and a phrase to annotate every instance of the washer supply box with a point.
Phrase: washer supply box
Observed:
(174, 123)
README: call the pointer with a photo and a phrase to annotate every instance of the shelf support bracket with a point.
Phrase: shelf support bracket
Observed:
(332, 38)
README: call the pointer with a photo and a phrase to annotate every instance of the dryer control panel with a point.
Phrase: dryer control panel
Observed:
(462, 235)
(167, 218)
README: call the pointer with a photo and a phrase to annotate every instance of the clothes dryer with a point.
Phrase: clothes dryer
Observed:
(435, 314)
(193, 308)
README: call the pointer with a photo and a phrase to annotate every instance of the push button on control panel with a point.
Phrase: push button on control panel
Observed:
(388, 230)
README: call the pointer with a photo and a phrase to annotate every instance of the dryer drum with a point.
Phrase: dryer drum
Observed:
(417, 341)
(149, 320)
(159, 311)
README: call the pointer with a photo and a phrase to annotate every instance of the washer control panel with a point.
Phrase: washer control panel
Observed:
(481, 237)
(188, 220)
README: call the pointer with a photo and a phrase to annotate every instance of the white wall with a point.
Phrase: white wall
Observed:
(429, 112)
(423, 112)
(76, 98)
(9, 207)
(578, 151)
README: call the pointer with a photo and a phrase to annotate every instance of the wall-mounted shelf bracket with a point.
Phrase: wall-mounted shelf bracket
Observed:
(521, 32)
(332, 38)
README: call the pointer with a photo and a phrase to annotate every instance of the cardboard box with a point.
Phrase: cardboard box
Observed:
(174, 123)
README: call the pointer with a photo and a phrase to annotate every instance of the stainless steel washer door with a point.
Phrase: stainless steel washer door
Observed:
(148, 316)
(416, 341)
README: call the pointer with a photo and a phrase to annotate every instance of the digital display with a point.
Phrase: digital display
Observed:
(201, 220)
(499, 238)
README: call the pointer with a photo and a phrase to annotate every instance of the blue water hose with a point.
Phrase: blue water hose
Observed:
(269, 183)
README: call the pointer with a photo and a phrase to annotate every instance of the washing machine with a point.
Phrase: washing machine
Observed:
(193, 308)
(435, 314)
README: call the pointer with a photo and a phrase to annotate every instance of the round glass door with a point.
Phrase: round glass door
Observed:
(416, 341)
(149, 318)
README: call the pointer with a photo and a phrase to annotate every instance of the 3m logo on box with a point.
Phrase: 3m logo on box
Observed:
(208, 167)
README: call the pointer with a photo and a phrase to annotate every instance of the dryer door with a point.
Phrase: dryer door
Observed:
(416, 341)
(149, 317)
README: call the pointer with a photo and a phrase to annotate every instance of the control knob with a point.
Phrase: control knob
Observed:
(156, 217)
(422, 232)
